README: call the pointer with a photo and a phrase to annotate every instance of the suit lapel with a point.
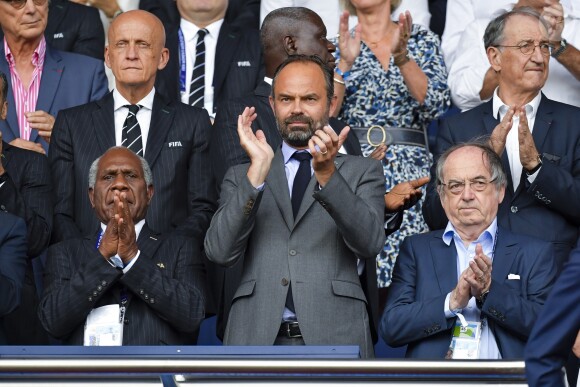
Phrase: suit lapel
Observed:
(543, 122)
(11, 119)
(490, 122)
(278, 185)
(51, 75)
(445, 263)
(148, 241)
(505, 251)
(161, 120)
(104, 122)
(226, 47)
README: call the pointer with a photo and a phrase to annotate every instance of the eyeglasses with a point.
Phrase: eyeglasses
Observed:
(19, 4)
(527, 48)
(457, 187)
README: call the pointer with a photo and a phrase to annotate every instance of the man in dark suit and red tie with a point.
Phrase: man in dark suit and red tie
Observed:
(147, 287)
(173, 137)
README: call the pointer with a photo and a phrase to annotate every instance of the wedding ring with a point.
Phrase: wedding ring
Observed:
(323, 153)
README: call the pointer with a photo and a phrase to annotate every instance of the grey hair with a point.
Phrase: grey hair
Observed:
(4, 89)
(490, 159)
(347, 5)
(494, 32)
(328, 74)
(147, 175)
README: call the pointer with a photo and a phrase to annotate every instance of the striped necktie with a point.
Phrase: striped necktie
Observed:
(197, 85)
(131, 134)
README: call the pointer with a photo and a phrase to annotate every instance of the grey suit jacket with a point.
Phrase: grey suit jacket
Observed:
(317, 252)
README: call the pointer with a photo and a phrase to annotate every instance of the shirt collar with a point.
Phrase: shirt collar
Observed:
(37, 57)
(489, 233)
(138, 227)
(120, 101)
(268, 80)
(288, 151)
(189, 29)
(500, 108)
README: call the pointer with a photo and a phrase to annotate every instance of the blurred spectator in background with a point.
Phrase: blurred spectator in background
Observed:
(395, 77)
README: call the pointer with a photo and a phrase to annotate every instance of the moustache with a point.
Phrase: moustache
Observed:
(298, 118)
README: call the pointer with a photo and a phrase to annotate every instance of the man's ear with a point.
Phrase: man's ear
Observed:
(92, 197)
(107, 60)
(150, 192)
(494, 58)
(271, 99)
(290, 45)
(163, 59)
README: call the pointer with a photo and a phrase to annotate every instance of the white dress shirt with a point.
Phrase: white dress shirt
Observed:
(143, 116)
(189, 31)
(488, 348)
(467, 70)
(512, 145)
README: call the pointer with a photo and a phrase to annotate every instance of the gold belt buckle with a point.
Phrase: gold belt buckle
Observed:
(369, 135)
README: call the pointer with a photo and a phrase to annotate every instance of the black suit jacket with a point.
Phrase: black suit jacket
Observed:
(238, 65)
(27, 192)
(177, 151)
(12, 263)
(226, 152)
(240, 13)
(547, 209)
(164, 286)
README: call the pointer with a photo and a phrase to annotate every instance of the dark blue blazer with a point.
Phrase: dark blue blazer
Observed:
(548, 209)
(556, 329)
(12, 264)
(426, 271)
(68, 80)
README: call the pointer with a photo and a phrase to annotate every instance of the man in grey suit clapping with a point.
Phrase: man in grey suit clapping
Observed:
(300, 216)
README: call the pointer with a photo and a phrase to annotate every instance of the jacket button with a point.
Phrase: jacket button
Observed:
(95, 293)
(152, 300)
(292, 252)
(141, 291)
(284, 282)
(514, 209)
(104, 283)
(99, 288)
(3, 207)
(146, 296)
(90, 299)
(126, 321)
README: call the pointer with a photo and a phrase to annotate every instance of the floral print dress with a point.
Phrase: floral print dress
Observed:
(374, 96)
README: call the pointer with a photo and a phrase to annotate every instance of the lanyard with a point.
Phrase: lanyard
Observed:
(182, 61)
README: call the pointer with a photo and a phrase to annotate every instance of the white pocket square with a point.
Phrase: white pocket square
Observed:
(513, 276)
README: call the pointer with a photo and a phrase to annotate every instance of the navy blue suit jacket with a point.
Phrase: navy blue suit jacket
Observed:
(548, 209)
(426, 271)
(68, 80)
(12, 264)
(556, 328)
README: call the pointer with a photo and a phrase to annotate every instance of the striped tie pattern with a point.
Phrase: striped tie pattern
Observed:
(197, 85)
(131, 135)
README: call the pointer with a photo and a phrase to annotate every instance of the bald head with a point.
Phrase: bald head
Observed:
(291, 31)
(135, 52)
(139, 16)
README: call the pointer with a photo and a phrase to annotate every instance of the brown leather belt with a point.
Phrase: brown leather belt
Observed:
(290, 329)
(376, 134)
